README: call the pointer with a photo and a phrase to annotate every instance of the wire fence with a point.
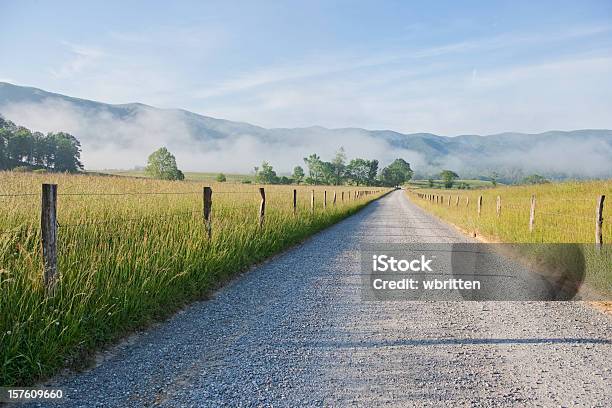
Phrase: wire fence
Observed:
(235, 210)
(596, 221)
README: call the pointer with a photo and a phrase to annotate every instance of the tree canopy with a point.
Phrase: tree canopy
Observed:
(266, 174)
(357, 171)
(298, 174)
(448, 177)
(20, 147)
(396, 174)
(162, 165)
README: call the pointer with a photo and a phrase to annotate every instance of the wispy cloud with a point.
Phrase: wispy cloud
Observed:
(80, 59)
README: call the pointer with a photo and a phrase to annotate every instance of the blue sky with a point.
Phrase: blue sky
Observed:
(443, 67)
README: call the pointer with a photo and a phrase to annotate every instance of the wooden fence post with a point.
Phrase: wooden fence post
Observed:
(457, 203)
(599, 222)
(207, 205)
(48, 229)
(342, 196)
(498, 206)
(312, 203)
(324, 198)
(262, 206)
(294, 201)
(479, 205)
(449, 200)
(532, 213)
(334, 198)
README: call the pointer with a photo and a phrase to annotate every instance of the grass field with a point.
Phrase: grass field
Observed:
(565, 213)
(190, 176)
(130, 251)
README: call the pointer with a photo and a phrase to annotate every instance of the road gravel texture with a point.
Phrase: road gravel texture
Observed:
(295, 332)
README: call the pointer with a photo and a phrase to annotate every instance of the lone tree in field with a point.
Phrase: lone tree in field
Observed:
(448, 177)
(221, 178)
(162, 165)
(298, 174)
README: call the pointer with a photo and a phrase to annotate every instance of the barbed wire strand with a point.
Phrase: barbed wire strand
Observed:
(564, 215)
(20, 195)
(129, 220)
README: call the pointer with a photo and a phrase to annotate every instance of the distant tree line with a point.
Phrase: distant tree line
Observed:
(449, 180)
(24, 149)
(339, 171)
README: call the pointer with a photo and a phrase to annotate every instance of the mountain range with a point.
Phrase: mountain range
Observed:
(122, 136)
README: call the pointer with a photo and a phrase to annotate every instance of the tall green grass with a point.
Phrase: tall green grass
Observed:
(564, 213)
(127, 260)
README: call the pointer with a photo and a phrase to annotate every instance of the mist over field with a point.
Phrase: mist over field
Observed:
(122, 136)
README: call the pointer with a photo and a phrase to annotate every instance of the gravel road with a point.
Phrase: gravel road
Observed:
(295, 332)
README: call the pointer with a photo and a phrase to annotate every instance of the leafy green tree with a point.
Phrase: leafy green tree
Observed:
(338, 166)
(284, 180)
(266, 174)
(358, 171)
(430, 182)
(298, 174)
(315, 168)
(448, 177)
(372, 172)
(328, 173)
(5, 134)
(67, 153)
(494, 177)
(162, 165)
(397, 173)
(20, 145)
(221, 178)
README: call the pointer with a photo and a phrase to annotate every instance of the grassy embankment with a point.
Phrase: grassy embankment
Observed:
(565, 213)
(127, 260)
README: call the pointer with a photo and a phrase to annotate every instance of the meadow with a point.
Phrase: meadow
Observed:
(189, 175)
(459, 182)
(131, 251)
(564, 213)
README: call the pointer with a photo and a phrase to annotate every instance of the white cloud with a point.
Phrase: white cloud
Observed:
(80, 59)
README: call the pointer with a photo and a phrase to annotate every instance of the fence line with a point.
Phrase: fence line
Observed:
(49, 225)
(533, 214)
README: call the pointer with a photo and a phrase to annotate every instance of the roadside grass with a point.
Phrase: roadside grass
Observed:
(128, 260)
(565, 213)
